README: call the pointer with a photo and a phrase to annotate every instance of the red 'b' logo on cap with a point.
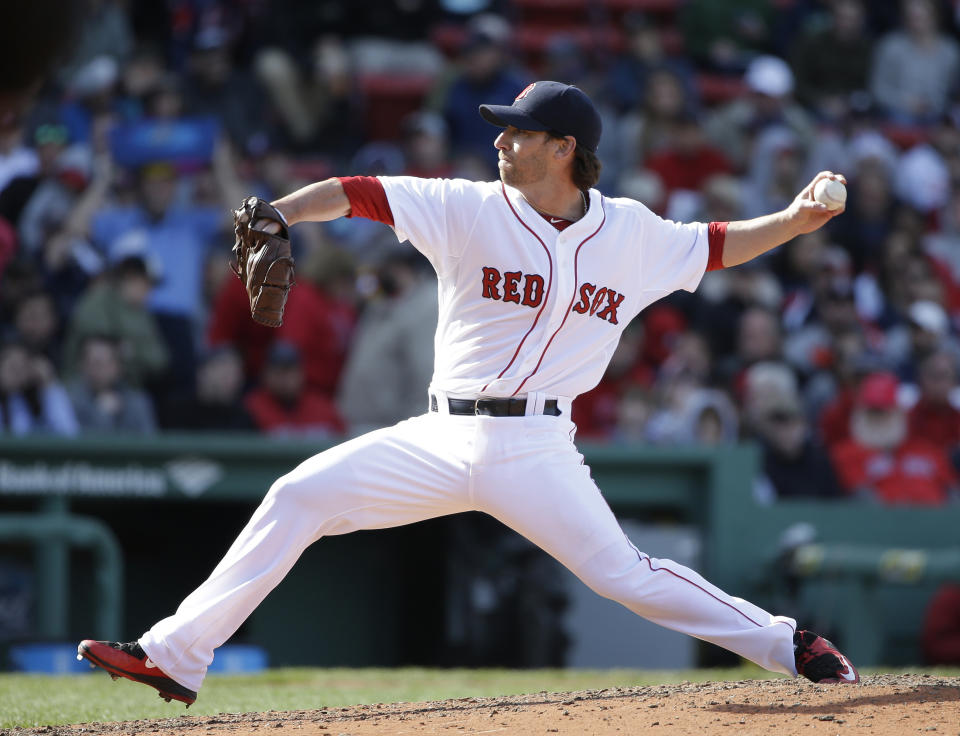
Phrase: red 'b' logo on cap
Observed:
(526, 91)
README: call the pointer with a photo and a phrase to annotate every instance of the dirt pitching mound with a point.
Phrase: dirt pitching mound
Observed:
(880, 706)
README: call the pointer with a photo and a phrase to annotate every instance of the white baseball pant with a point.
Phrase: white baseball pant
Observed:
(524, 471)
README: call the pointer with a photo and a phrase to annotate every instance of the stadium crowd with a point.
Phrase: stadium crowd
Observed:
(837, 352)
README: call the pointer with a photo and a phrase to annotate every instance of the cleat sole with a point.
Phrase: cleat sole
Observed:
(163, 687)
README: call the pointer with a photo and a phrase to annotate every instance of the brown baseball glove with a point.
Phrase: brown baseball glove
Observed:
(263, 260)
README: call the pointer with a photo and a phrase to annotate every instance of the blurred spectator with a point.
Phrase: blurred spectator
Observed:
(599, 413)
(722, 199)
(774, 173)
(854, 144)
(19, 279)
(832, 61)
(758, 339)
(834, 312)
(101, 400)
(104, 30)
(485, 76)
(925, 331)
(723, 298)
(649, 128)
(941, 627)
(319, 318)
(48, 142)
(48, 197)
(944, 244)
(698, 416)
(230, 324)
(923, 176)
(689, 358)
(38, 326)
(934, 417)
(115, 307)
(16, 159)
(794, 464)
(164, 100)
(426, 146)
(284, 404)
(32, 400)
(908, 275)
(881, 461)
(629, 75)
(870, 212)
(90, 104)
(831, 394)
(390, 362)
(764, 384)
(217, 402)
(915, 69)
(318, 106)
(800, 265)
(723, 36)
(687, 161)
(212, 87)
(633, 412)
(174, 237)
(735, 125)
(141, 76)
(321, 324)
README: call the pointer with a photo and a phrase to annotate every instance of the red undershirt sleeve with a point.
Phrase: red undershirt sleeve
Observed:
(716, 235)
(367, 198)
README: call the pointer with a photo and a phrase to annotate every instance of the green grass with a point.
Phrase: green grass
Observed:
(39, 700)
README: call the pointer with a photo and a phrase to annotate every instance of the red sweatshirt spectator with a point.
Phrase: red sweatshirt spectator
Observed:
(320, 326)
(834, 419)
(689, 160)
(319, 319)
(284, 405)
(597, 412)
(934, 417)
(230, 324)
(880, 460)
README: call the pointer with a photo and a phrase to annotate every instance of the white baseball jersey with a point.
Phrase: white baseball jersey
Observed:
(525, 311)
(523, 307)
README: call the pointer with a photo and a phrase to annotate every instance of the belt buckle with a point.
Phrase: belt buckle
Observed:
(476, 406)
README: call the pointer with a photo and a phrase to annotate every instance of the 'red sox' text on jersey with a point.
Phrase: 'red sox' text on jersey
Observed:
(524, 307)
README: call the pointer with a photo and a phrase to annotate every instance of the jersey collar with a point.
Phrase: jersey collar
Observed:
(534, 219)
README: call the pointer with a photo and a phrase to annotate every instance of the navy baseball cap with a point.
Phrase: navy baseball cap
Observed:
(559, 108)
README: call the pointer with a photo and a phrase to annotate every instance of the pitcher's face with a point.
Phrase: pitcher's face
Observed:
(523, 156)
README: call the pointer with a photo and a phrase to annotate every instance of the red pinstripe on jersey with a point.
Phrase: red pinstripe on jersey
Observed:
(546, 296)
(576, 255)
(646, 558)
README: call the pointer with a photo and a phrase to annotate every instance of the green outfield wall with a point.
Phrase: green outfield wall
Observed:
(171, 504)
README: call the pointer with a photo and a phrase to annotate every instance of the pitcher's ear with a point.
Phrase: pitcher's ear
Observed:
(565, 145)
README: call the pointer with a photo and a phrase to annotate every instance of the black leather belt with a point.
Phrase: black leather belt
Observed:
(494, 407)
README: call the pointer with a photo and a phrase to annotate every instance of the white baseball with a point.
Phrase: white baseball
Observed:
(830, 192)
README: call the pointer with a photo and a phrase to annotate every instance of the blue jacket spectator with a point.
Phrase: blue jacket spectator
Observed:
(32, 400)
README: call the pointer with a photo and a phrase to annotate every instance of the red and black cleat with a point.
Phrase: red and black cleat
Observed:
(130, 661)
(820, 661)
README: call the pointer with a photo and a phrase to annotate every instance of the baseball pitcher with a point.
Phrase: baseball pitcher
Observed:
(539, 273)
